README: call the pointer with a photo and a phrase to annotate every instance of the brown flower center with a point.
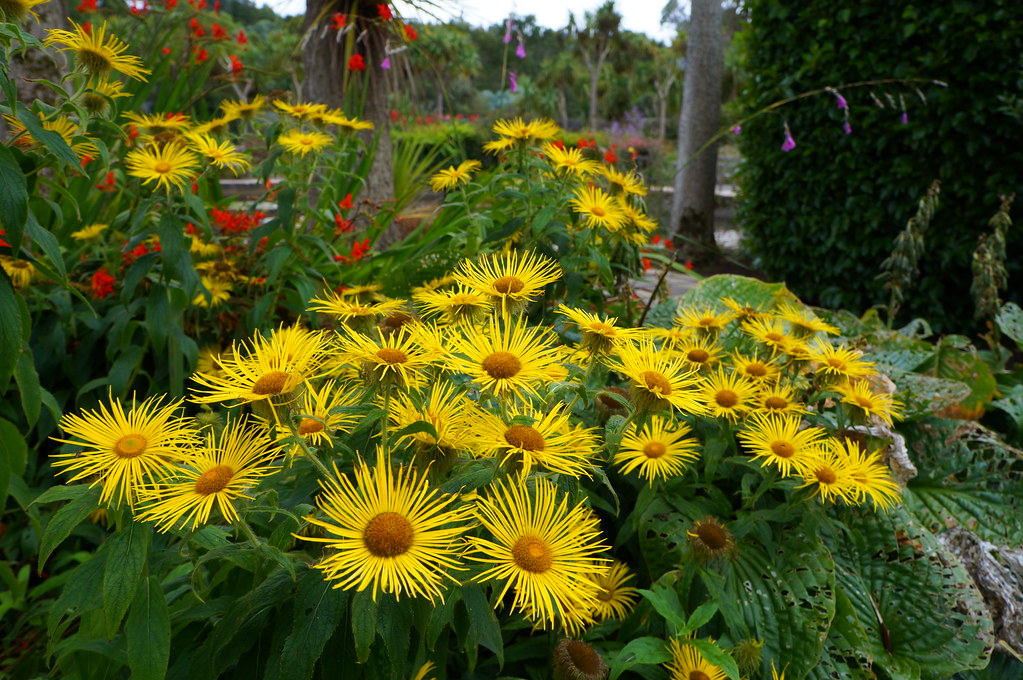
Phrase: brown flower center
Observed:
(391, 356)
(698, 675)
(130, 446)
(388, 535)
(835, 362)
(774, 337)
(656, 382)
(783, 449)
(597, 211)
(756, 370)
(532, 554)
(271, 383)
(708, 322)
(601, 327)
(605, 595)
(698, 356)
(584, 658)
(864, 402)
(775, 402)
(726, 398)
(162, 167)
(501, 365)
(825, 475)
(654, 450)
(712, 535)
(524, 437)
(213, 480)
(507, 285)
(309, 426)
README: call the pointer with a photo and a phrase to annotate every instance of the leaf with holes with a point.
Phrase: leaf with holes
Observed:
(921, 613)
(744, 290)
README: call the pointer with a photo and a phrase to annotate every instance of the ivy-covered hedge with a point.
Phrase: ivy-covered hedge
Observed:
(823, 216)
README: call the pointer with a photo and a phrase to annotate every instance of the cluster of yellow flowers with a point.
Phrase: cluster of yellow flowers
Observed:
(461, 357)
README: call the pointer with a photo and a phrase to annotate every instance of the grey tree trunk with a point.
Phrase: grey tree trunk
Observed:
(692, 208)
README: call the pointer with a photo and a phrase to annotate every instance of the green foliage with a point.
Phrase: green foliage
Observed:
(839, 198)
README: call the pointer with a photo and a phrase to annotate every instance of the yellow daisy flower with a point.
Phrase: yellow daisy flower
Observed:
(213, 475)
(245, 110)
(505, 359)
(81, 145)
(219, 290)
(452, 414)
(662, 448)
(451, 177)
(636, 220)
(95, 54)
(658, 380)
(549, 442)
(297, 141)
(499, 145)
(623, 182)
(20, 271)
(123, 451)
(778, 441)
(300, 111)
(511, 280)
(398, 359)
(830, 473)
(871, 478)
(390, 531)
(803, 321)
(771, 333)
(728, 395)
(688, 664)
(700, 352)
(15, 11)
(350, 125)
(539, 130)
(543, 550)
(351, 311)
(90, 232)
(841, 361)
(599, 336)
(569, 160)
(219, 154)
(672, 338)
(753, 368)
(216, 127)
(598, 209)
(459, 306)
(319, 415)
(614, 599)
(777, 397)
(866, 402)
(703, 319)
(743, 312)
(169, 165)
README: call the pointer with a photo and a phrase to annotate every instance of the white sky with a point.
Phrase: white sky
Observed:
(641, 16)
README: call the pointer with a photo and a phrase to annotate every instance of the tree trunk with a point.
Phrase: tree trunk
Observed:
(692, 209)
(594, 79)
(39, 64)
(662, 116)
(562, 108)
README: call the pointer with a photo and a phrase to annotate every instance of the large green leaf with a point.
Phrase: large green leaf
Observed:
(148, 631)
(783, 594)
(65, 520)
(13, 199)
(923, 395)
(318, 610)
(743, 289)
(1010, 321)
(921, 613)
(128, 550)
(10, 330)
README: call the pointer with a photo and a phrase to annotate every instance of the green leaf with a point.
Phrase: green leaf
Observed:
(712, 653)
(700, 616)
(1010, 321)
(65, 520)
(483, 625)
(48, 243)
(13, 199)
(13, 456)
(643, 650)
(28, 386)
(318, 610)
(128, 550)
(664, 599)
(744, 290)
(1012, 404)
(148, 632)
(923, 395)
(83, 592)
(48, 138)
(10, 330)
(61, 492)
(364, 623)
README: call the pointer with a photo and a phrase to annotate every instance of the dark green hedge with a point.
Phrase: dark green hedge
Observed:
(823, 216)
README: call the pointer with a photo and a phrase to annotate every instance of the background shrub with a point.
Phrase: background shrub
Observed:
(840, 199)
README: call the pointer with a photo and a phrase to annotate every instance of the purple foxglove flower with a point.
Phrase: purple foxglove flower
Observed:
(737, 129)
(520, 51)
(386, 63)
(789, 144)
(508, 31)
(847, 128)
(513, 83)
(842, 103)
(905, 118)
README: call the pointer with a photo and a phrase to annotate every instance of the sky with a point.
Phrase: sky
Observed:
(641, 16)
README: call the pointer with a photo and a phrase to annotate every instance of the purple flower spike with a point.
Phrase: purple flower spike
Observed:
(847, 128)
(508, 31)
(520, 51)
(789, 144)
(905, 118)
(513, 82)
(737, 129)
(386, 63)
(842, 103)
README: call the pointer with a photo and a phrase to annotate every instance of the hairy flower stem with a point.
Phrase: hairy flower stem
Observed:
(309, 452)
(249, 533)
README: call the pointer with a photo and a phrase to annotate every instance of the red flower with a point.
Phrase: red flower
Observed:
(558, 143)
(218, 32)
(359, 251)
(201, 56)
(86, 159)
(102, 284)
(342, 226)
(236, 66)
(202, 4)
(170, 4)
(610, 156)
(339, 21)
(385, 12)
(410, 32)
(242, 39)
(86, 27)
(689, 264)
(346, 202)
(109, 184)
(216, 7)
(656, 239)
(668, 245)
(646, 264)
(356, 63)
(197, 30)
(87, 6)
(395, 115)
(4, 243)
(166, 50)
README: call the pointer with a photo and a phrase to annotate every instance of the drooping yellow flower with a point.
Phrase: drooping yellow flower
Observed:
(550, 442)
(96, 99)
(804, 322)
(219, 290)
(389, 531)
(830, 473)
(347, 125)
(94, 54)
(301, 110)
(511, 280)
(543, 550)
(352, 311)
(637, 222)
(15, 11)
(505, 359)
(771, 333)
(840, 362)
(870, 477)
(454, 418)
(81, 145)
(866, 402)
(451, 177)
(662, 448)
(219, 154)
(216, 474)
(777, 441)
(499, 145)
(458, 306)
(598, 209)
(21, 271)
(124, 450)
(599, 336)
(162, 125)
(319, 417)
(398, 359)
(703, 319)
(569, 160)
(614, 599)
(169, 165)
(245, 110)
(688, 664)
(297, 141)
(90, 232)
(623, 182)
(216, 127)
(659, 381)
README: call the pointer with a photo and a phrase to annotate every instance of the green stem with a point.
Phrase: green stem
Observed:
(309, 452)
(385, 419)
(249, 533)
(765, 484)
